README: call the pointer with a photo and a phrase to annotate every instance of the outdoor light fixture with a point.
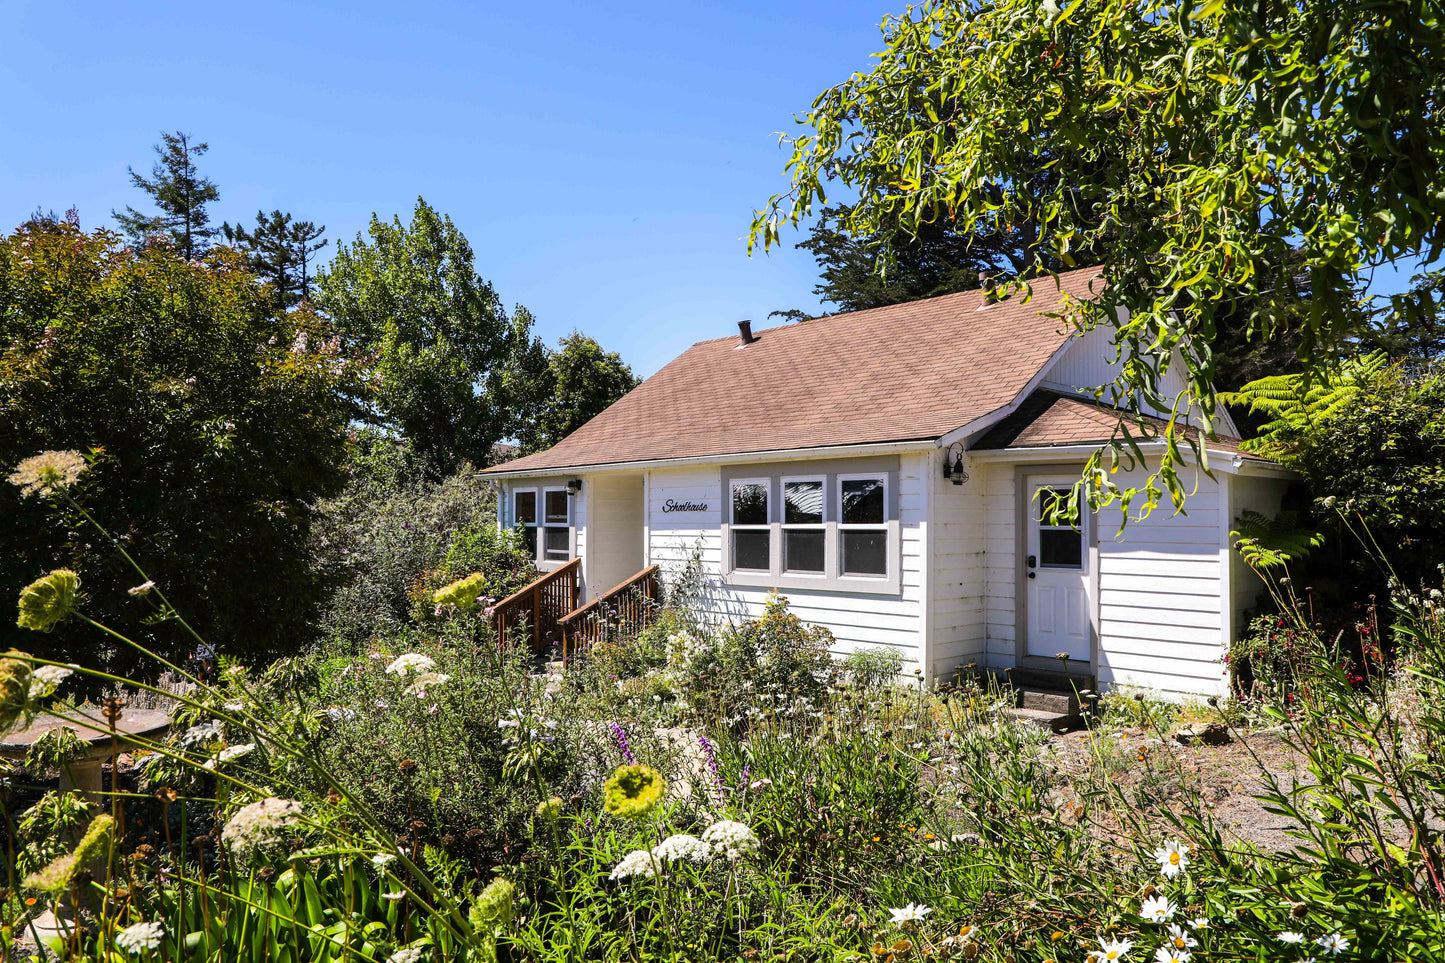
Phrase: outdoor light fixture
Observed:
(574, 486)
(953, 464)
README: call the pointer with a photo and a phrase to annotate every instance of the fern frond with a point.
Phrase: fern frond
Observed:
(1295, 404)
(1266, 543)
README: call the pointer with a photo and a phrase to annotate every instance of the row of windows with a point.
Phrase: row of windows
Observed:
(858, 513)
(555, 523)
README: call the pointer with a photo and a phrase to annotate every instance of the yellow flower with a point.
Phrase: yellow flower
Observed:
(48, 600)
(550, 809)
(462, 593)
(494, 905)
(633, 791)
(48, 472)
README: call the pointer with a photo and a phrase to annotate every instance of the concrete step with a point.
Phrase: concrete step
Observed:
(1045, 719)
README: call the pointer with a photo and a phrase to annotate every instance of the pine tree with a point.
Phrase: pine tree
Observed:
(280, 252)
(180, 192)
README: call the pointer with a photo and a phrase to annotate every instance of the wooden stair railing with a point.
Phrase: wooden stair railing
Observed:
(628, 608)
(540, 604)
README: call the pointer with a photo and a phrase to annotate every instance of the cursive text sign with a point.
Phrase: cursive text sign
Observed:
(670, 506)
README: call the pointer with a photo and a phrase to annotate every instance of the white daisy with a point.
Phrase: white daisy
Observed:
(1111, 950)
(1173, 857)
(912, 913)
(1180, 939)
(1334, 944)
(1157, 909)
(1168, 954)
(1291, 937)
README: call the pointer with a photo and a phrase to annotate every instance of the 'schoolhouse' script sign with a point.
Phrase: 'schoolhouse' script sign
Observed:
(670, 506)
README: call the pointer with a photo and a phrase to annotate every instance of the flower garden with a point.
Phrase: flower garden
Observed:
(703, 791)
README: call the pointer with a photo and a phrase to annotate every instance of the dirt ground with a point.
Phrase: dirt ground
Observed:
(1225, 777)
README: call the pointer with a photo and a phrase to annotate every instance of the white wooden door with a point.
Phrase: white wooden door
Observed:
(1056, 575)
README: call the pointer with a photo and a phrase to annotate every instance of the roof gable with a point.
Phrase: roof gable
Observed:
(898, 373)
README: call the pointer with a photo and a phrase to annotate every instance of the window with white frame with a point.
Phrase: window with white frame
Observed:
(524, 517)
(863, 525)
(556, 525)
(751, 536)
(805, 536)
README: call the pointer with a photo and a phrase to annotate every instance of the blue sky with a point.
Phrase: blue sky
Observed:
(603, 159)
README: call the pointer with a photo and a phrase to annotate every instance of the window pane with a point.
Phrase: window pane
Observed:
(750, 549)
(803, 503)
(803, 551)
(750, 505)
(865, 553)
(559, 543)
(863, 501)
(529, 539)
(556, 506)
(1048, 500)
(1061, 548)
(526, 508)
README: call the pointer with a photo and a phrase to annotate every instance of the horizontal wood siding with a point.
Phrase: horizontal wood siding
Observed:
(1089, 362)
(1000, 561)
(958, 624)
(856, 620)
(1160, 595)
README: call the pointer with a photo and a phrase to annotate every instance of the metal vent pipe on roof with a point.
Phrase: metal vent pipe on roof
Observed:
(745, 332)
(985, 281)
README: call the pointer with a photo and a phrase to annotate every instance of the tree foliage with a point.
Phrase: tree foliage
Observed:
(279, 252)
(213, 424)
(411, 298)
(1200, 151)
(181, 193)
(575, 384)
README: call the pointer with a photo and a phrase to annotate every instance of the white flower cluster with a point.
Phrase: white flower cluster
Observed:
(139, 937)
(409, 663)
(730, 838)
(204, 734)
(425, 681)
(259, 825)
(682, 846)
(636, 863)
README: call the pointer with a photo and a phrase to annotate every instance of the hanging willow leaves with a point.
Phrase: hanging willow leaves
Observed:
(1207, 154)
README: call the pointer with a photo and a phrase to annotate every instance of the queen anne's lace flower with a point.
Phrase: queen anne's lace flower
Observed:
(16, 679)
(633, 791)
(409, 955)
(411, 662)
(53, 675)
(139, 937)
(48, 471)
(259, 826)
(683, 846)
(49, 600)
(425, 681)
(636, 863)
(731, 838)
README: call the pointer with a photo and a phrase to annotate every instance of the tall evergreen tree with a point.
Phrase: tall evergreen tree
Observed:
(181, 193)
(279, 251)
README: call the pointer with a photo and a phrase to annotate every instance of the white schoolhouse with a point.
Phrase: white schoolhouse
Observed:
(880, 469)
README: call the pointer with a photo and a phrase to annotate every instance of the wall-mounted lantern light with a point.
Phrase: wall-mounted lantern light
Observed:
(574, 486)
(953, 464)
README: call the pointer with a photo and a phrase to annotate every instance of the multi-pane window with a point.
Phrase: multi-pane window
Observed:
(750, 532)
(524, 517)
(1061, 546)
(804, 535)
(862, 525)
(557, 519)
(545, 520)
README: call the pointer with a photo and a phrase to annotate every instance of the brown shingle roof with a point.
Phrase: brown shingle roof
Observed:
(897, 373)
(1048, 419)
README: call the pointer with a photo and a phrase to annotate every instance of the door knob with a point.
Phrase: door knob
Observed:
(1033, 574)
(1033, 562)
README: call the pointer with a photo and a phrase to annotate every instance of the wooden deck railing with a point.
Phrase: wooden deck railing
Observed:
(540, 606)
(626, 608)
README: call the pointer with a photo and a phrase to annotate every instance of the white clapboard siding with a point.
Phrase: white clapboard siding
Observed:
(856, 620)
(958, 623)
(1089, 363)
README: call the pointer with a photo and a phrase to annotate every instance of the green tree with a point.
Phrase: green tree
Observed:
(181, 193)
(215, 422)
(1200, 151)
(411, 298)
(584, 380)
(280, 252)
